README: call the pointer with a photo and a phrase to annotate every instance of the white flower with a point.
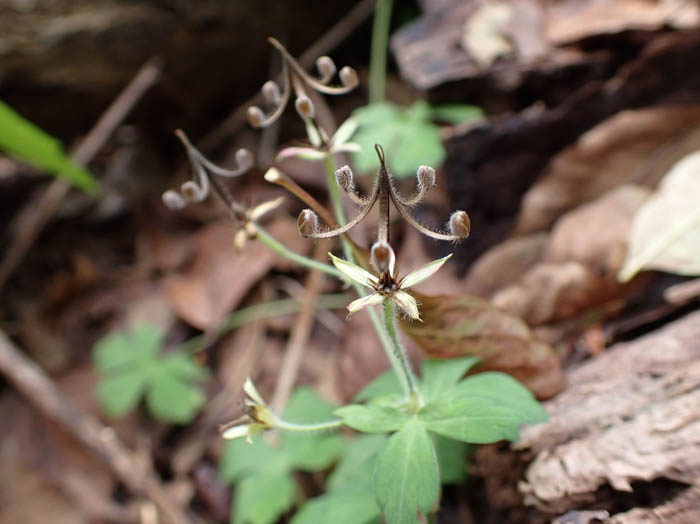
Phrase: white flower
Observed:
(257, 419)
(385, 285)
(337, 144)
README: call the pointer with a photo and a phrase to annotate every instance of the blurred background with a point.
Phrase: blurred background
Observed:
(552, 123)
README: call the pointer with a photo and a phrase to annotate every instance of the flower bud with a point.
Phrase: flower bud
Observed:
(192, 192)
(459, 224)
(348, 77)
(308, 223)
(326, 67)
(344, 179)
(305, 107)
(244, 159)
(383, 258)
(240, 239)
(173, 200)
(426, 177)
(271, 93)
(255, 115)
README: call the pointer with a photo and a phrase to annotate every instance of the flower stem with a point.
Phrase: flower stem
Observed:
(266, 238)
(378, 51)
(300, 428)
(334, 191)
(399, 360)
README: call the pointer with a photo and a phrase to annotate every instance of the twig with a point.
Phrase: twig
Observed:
(323, 45)
(32, 219)
(300, 334)
(31, 382)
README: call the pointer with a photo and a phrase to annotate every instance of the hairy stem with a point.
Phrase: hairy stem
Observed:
(378, 52)
(334, 192)
(399, 360)
(319, 426)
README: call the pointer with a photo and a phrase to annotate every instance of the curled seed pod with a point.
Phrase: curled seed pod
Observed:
(173, 200)
(271, 93)
(308, 223)
(348, 77)
(459, 224)
(383, 258)
(426, 177)
(344, 178)
(192, 192)
(255, 115)
(305, 107)
(326, 67)
(244, 159)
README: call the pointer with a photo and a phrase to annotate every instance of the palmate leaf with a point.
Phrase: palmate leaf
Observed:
(442, 375)
(345, 508)
(452, 459)
(372, 418)
(24, 141)
(261, 499)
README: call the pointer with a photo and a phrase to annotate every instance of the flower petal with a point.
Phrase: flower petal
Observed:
(407, 303)
(265, 207)
(348, 147)
(419, 275)
(369, 300)
(252, 392)
(353, 271)
(236, 432)
(305, 153)
(344, 132)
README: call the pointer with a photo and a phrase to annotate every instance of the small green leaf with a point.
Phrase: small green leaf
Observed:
(456, 113)
(346, 508)
(451, 457)
(372, 419)
(419, 144)
(119, 394)
(441, 375)
(240, 460)
(172, 400)
(355, 469)
(182, 366)
(385, 384)
(475, 420)
(122, 349)
(261, 499)
(25, 141)
(406, 475)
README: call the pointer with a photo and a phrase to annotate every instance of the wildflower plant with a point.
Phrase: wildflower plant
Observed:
(401, 474)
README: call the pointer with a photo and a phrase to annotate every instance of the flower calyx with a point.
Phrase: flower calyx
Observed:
(258, 417)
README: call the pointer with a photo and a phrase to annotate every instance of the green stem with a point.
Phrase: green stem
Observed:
(399, 361)
(320, 426)
(266, 238)
(378, 52)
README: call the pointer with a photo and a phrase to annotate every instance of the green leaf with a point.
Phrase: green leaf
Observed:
(119, 394)
(441, 375)
(419, 144)
(384, 385)
(504, 391)
(172, 400)
(456, 113)
(240, 460)
(355, 469)
(23, 140)
(261, 499)
(406, 475)
(182, 366)
(372, 419)
(122, 349)
(346, 508)
(451, 457)
(475, 420)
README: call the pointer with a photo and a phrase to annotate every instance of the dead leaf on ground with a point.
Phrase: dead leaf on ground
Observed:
(457, 326)
(665, 234)
(637, 146)
(219, 277)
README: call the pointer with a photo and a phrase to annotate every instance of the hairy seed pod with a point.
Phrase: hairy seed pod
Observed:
(173, 200)
(344, 178)
(192, 192)
(348, 77)
(271, 93)
(383, 258)
(326, 67)
(255, 116)
(426, 177)
(244, 159)
(305, 107)
(308, 223)
(459, 224)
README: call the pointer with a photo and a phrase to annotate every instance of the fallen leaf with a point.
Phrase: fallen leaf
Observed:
(665, 234)
(457, 326)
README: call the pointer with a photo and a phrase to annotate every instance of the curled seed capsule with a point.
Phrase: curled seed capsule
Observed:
(255, 116)
(192, 192)
(244, 159)
(383, 258)
(348, 77)
(344, 178)
(459, 224)
(173, 200)
(426, 177)
(305, 107)
(308, 223)
(326, 67)
(271, 93)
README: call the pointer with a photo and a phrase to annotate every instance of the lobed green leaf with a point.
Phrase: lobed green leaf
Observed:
(372, 418)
